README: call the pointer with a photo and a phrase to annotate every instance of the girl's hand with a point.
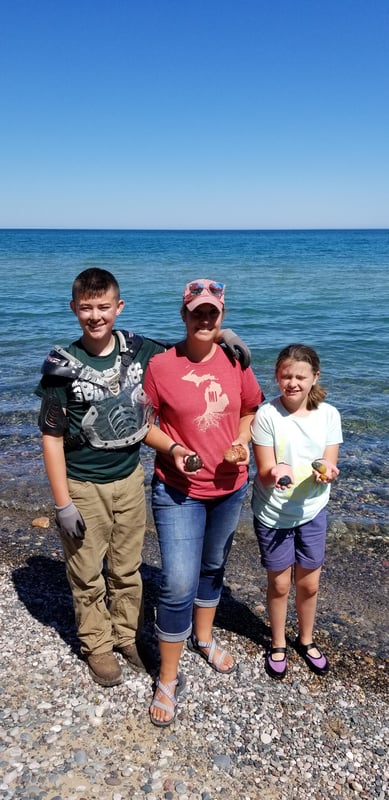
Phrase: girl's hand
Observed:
(324, 471)
(283, 476)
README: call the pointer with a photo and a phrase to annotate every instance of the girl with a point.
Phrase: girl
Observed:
(290, 497)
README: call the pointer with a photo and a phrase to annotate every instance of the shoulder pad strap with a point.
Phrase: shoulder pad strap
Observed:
(129, 344)
(60, 362)
(134, 341)
(165, 345)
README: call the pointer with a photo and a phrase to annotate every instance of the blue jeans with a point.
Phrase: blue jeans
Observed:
(195, 538)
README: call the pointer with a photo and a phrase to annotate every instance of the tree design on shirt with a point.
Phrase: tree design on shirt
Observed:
(215, 399)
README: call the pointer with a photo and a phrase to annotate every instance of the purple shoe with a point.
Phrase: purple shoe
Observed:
(276, 669)
(318, 665)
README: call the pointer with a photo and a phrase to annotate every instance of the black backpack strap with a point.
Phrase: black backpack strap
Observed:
(134, 342)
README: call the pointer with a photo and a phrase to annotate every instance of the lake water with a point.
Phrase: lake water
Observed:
(326, 288)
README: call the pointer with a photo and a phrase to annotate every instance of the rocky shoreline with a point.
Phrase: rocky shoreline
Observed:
(240, 736)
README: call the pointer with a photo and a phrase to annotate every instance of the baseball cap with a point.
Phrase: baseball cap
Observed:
(202, 291)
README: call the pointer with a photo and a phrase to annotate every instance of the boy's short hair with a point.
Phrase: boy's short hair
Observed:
(94, 282)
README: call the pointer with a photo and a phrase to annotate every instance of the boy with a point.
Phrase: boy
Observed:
(93, 417)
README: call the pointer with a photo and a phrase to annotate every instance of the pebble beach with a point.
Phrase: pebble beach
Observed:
(242, 735)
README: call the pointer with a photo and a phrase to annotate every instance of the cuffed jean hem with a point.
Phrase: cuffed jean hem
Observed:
(207, 603)
(172, 637)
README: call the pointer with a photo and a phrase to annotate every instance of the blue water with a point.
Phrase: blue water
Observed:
(326, 288)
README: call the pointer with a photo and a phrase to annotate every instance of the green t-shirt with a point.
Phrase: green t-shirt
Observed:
(88, 463)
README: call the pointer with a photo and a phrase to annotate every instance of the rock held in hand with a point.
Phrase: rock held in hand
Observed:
(319, 467)
(235, 453)
(192, 463)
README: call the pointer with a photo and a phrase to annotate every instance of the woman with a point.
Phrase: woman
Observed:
(205, 403)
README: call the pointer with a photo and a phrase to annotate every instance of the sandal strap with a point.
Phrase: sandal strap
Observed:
(306, 647)
(278, 650)
(168, 690)
(203, 644)
(162, 706)
(212, 646)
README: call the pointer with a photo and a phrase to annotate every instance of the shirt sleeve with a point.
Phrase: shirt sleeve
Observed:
(261, 429)
(334, 426)
(47, 383)
(252, 394)
(150, 388)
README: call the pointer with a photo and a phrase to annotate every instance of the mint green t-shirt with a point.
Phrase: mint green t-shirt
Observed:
(297, 440)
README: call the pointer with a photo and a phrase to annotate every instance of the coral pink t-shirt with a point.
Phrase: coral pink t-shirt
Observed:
(200, 405)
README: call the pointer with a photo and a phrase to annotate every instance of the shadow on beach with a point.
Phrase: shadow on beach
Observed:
(41, 585)
(352, 610)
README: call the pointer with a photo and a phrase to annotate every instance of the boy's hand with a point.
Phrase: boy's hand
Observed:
(235, 346)
(70, 521)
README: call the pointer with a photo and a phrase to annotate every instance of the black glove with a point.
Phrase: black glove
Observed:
(236, 347)
(70, 521)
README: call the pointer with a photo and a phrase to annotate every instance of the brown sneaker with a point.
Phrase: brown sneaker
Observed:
(105, 669)
(130, 653)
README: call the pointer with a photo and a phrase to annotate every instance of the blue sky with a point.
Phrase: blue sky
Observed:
(194, 113)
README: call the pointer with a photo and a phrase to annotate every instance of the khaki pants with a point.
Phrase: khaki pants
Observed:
(109, 612)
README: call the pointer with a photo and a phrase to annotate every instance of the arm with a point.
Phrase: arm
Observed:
(67, 517)
(54, 459)
(244, 434)
(164, 444)
(235, 347)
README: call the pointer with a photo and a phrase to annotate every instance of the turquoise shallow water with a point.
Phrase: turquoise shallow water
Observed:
(327, 288)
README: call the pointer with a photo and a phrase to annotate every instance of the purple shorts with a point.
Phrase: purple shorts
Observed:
(303, 545)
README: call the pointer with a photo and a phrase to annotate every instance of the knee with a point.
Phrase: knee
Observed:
(279, 585)
(177, 588)
(307, 588)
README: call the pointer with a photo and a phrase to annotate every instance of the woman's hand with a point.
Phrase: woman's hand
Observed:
(244, 461)
(180, 455)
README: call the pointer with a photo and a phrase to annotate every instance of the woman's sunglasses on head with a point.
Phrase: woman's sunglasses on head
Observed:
(197, 287)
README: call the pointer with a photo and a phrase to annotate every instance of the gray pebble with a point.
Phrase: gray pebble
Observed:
(223, 762)
(80, 757)
(112, 780)
(235, 736)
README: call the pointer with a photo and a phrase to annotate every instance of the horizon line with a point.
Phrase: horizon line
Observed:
(194, 230)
